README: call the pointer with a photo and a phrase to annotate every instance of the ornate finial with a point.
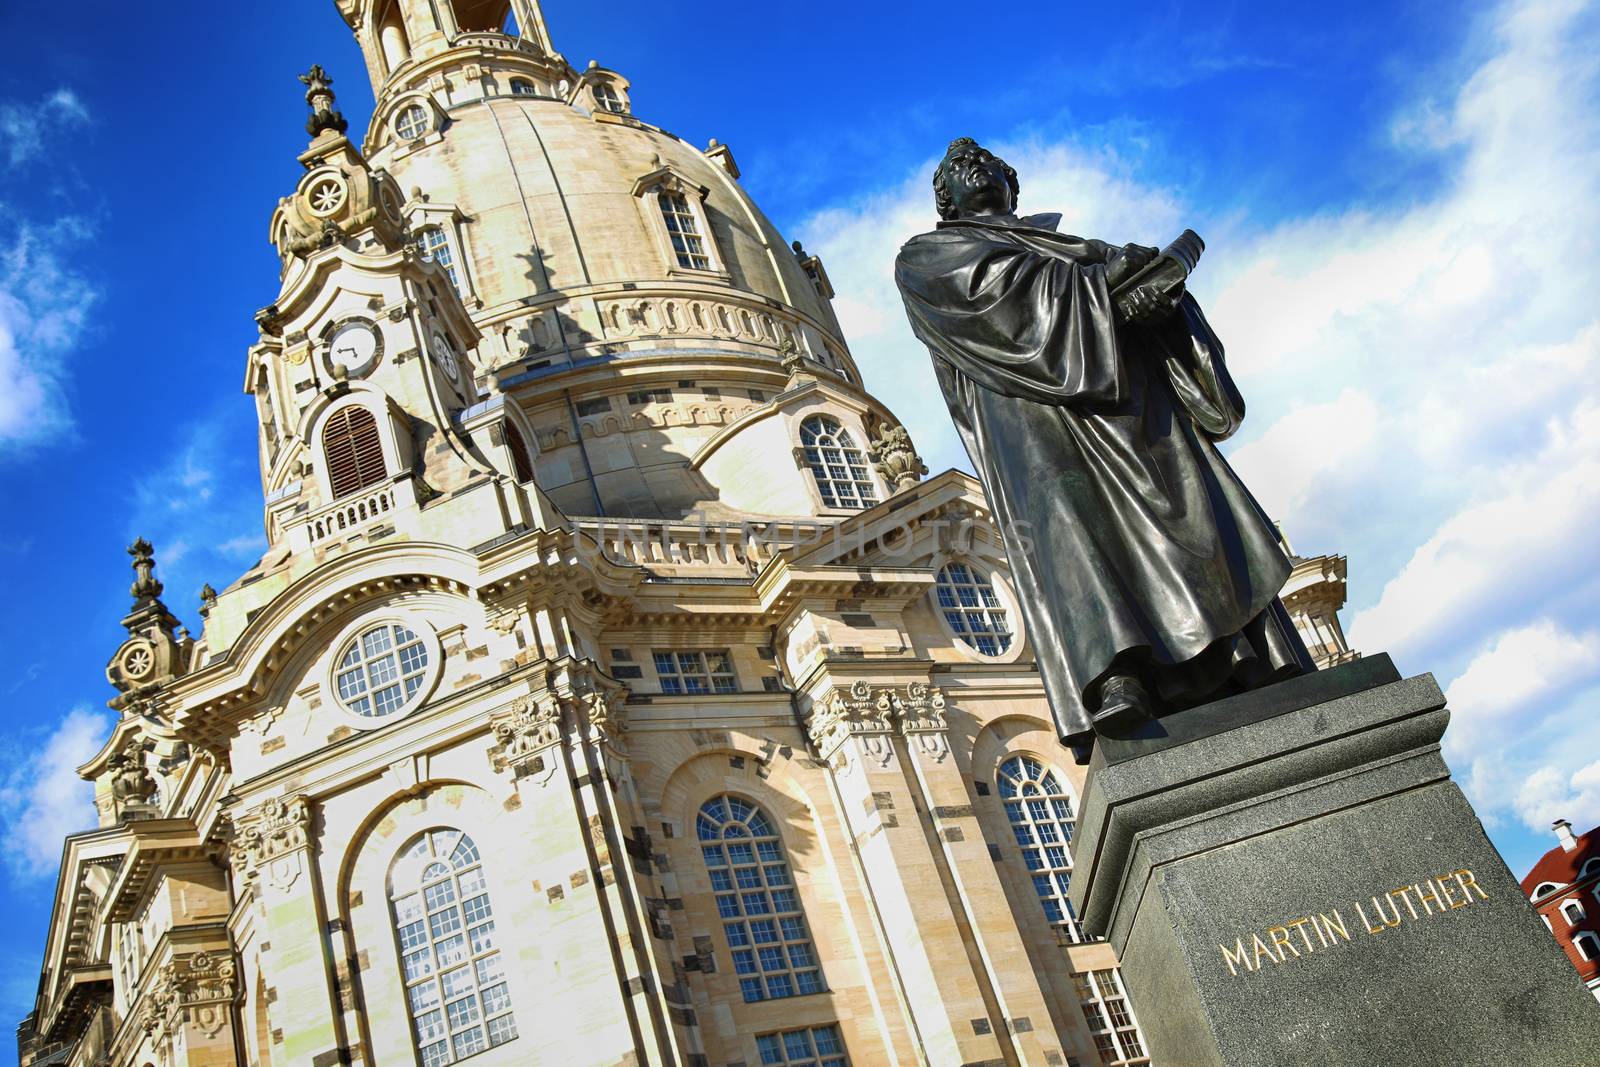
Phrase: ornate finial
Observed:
(208, 599)
(145, 586)
(793, 359)
(799, 249)
(319, 95)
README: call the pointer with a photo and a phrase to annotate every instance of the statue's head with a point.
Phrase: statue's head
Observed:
(972, 181)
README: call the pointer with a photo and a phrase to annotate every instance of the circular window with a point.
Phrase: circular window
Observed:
(381, 670)
(972, 609)
(412, 122)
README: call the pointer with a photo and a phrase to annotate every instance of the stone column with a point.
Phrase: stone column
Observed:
(1290, 876)
(273, 861)
(939, 986)
(976, 892)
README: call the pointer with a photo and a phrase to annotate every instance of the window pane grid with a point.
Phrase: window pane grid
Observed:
(695, 672)
(412, 122)
(684, 231)
(818, 1046)
(434, 245)
(1042, 819)
(381, 670)
(455, 988)
(970, 605)
(765, 928)
(839, 466)
(1110, 1017)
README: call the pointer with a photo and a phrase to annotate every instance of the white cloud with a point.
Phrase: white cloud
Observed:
(25, 128)
(1423, 373)
(1550, 794)
(43, 799)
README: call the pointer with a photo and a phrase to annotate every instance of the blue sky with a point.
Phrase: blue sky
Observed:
(1400, 202)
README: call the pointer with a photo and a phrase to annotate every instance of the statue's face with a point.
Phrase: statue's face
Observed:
(978, 184)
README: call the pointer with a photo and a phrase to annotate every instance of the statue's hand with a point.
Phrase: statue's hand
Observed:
(1147, 304)
(1129, 262)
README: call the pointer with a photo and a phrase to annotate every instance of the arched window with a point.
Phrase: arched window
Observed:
(840, 467)
(353, 450)
(523, 87)
(453, 972)
(1572, 911)
(1042, 819)
(972, 609)
(1542, 889)
(1588, 946)
(412, 122)
(1591, 868)
(606, 96)
(434, 244)
(688, 244)
(1110, 1017)
(756, 898)
(519, 451)
(381, 670)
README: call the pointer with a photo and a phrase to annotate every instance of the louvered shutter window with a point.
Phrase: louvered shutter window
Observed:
(353, 450)
(519, 453)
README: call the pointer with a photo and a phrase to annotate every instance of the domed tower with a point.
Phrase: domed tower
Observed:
(630, 302)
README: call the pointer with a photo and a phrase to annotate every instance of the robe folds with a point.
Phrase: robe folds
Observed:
(1133, 545)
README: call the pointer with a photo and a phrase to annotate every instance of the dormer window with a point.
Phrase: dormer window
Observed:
(353, 450)
(683, 227)
(412, 122)
(605, 95)
(523, 87)
(434, 244)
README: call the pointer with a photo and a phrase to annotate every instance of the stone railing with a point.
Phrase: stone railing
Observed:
(734, 549)
(494, 39)
(349, 514)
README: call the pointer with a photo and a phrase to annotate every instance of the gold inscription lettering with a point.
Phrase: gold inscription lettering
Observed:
(1405, 895)
(1366, 921)
(1335, 923)
(1431, 894)
(1237, 958)
(1470, 883)
(1446, 885)
(1280, 941)
(1300, 925)
(1263, 949)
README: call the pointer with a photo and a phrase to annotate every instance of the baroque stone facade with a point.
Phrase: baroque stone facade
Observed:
(616, 686)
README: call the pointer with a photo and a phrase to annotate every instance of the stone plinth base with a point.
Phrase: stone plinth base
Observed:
(1291, 877)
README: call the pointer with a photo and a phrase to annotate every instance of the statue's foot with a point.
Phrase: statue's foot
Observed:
(1125, 705)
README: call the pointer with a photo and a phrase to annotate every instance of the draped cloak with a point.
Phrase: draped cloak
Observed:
(1133, 545)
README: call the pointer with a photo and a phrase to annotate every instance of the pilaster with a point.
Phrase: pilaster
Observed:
(273, 860)
(854, 727)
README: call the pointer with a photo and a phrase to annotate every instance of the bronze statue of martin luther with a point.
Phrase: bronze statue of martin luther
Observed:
(1091, 395)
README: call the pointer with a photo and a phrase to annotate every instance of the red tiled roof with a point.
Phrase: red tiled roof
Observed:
(1562, 867)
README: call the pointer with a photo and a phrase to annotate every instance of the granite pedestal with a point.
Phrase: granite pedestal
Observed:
(1291, 877)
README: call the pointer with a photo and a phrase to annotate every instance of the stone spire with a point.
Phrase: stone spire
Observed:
(319, 97)
(149, 614)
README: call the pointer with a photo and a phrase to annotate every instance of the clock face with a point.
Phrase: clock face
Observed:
(445, 353)
(353, 348)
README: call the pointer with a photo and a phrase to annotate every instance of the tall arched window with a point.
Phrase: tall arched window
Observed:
(454, 975)
(353, 450)
(840, 467)
(757, 900)
(1042, 820)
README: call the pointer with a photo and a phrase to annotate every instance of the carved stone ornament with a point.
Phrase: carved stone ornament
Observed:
(896, 459)
(270, 840)
(525, 729)
(196, 990)
(868, 716)
(132, 786)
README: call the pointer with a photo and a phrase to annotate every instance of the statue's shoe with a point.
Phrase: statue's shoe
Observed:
(1125, 706)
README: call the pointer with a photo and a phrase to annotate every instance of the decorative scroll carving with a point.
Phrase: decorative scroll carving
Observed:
(568, 695)
(869, 717)
(198, 990)
(525, 729)
(269, 839)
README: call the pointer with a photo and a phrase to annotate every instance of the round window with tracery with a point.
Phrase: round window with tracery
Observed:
(412, 122)
(972, 609)
(381, 670)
